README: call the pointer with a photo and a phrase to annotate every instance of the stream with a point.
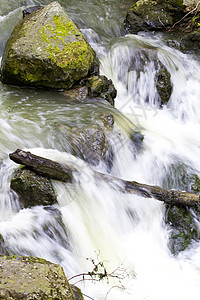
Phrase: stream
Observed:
(93, 223)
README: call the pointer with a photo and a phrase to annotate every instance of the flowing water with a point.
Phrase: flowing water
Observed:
(93, 222)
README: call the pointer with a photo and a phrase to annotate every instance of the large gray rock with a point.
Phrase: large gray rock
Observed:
(46, 49)
(32, 189)
(32, 278)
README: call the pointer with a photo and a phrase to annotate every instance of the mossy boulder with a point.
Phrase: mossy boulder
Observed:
(32, 189)
(184, 228)
(32, 278)
(47, 49)
(150, 15)
(182, 220)
(181, 177)
(101, 86)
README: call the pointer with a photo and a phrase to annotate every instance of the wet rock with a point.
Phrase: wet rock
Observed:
(100, 86)
(3, 250)
(89, 143)
(144, 57)
(190, 42)
(94, 86)
(184, 229)
(183, 221)
(76, 93)
(181, 177)
(32, 189)
(106, 121)
(32, 278)
(30, 10)
(137, 140)
(77, 293)
(163, 84)
(150, 15)
(47, 49)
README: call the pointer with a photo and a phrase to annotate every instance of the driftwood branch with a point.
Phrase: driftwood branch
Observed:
(55, 170)
(42, 166)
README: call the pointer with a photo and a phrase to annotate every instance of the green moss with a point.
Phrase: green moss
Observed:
(36, 279)
(58, 42)
(47, 49)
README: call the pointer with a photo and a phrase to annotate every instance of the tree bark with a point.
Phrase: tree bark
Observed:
(55, 170)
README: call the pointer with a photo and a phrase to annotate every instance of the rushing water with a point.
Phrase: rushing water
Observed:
(92, 221)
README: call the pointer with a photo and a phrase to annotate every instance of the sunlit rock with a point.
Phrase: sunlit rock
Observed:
(32, 278)
(47, 49)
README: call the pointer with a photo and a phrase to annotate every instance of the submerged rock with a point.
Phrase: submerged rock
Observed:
(32, 278)
(33, 189)
(145, 58)
(89, 143)
(76, 93)
(47, 49)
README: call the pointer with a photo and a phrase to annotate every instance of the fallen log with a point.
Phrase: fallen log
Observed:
(43, 166)
(55, 170)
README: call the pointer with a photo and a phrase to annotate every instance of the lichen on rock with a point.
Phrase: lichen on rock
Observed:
(32, 189)
(32, 278)
(47, 49)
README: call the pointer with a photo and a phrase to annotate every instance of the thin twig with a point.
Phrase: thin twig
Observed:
(190, 12)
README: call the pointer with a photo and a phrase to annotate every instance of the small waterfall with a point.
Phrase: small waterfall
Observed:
(93, 222)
